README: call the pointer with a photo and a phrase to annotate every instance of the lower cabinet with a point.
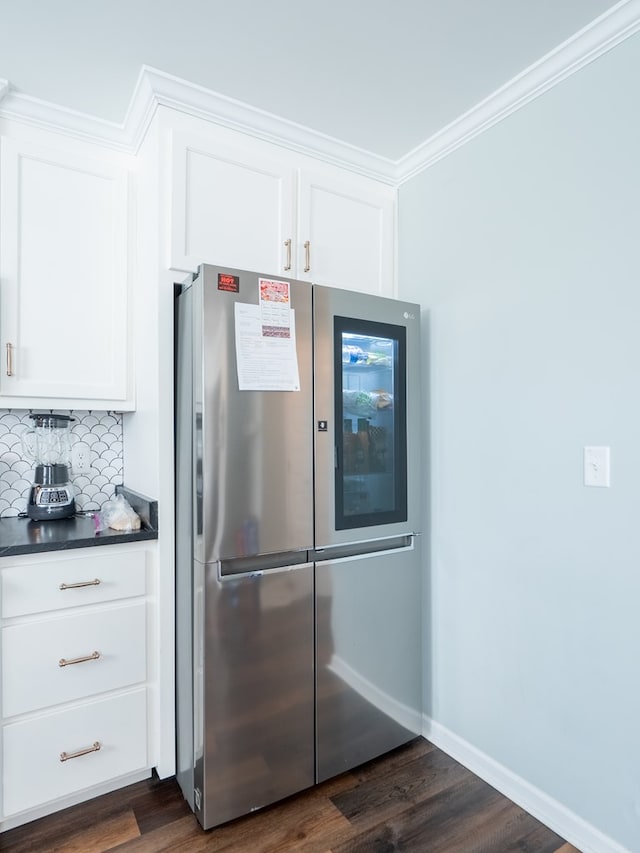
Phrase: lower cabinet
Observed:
(74, 676)
(63, 752)
(70, 658)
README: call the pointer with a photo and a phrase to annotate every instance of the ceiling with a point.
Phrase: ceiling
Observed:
(381, 75)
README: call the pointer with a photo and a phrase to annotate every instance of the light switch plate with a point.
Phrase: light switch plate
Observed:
(596, 466)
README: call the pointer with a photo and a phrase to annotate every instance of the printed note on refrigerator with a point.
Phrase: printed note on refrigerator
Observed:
(264, 363)
(275, 308)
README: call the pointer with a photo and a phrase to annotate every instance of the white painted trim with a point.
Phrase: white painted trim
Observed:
(173, 92)
(142, 108)
(154, 88)
(405, 716)
(552, 813)
(610, 29)
(59, 119)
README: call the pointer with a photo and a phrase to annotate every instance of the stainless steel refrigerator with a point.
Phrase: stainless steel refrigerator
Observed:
(298, 570)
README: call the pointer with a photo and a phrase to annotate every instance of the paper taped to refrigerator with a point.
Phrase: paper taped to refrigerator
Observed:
(275, 307)
(264, 363)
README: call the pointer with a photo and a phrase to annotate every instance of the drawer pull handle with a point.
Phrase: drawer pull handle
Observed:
(65, 756)
(65, 662)
(9, 348)
(307, 255)
(287, 244)
(95, 582)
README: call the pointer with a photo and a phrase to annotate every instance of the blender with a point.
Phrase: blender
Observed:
(48, 444)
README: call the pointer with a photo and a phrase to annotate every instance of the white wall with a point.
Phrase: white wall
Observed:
(524, 249)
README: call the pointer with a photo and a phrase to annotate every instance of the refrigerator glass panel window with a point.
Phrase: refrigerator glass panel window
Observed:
(370, 407)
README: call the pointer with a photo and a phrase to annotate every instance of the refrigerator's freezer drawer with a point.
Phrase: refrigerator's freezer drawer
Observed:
(254, 690)
(368, 657)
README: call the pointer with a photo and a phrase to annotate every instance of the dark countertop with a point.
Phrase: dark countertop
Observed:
(24, 536)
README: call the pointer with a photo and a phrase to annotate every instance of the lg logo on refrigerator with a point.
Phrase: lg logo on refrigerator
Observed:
(408, 316)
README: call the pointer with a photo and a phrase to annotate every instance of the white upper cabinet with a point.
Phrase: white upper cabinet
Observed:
(244, 203)
(64, 277)
(346, 225)
(229, 206)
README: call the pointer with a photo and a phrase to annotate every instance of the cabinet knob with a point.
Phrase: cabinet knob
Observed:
(307, 255)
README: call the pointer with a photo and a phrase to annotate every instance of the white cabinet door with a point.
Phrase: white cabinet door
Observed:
(64, 278)
(71, 581)
(348, 223)
(66, 751)
(67, 658)
(230, 206)
(237, 204)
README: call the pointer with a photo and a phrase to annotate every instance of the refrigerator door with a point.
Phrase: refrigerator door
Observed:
(368, 657)
(254, 448)
(254, 684)
(367, 417)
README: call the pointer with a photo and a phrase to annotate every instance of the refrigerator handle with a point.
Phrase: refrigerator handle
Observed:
(259, 563)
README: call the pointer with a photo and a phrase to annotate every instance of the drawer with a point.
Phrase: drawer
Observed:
(32, 676)
(72, 581)
(33, 772)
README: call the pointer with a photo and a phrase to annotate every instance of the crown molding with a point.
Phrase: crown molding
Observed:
(57, 119)
(162, 89)
(601, 35)
(156, 88)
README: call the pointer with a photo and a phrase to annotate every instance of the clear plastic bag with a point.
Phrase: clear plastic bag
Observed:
(118, 514)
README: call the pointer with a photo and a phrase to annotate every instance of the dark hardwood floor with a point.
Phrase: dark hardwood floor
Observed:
(414, 799)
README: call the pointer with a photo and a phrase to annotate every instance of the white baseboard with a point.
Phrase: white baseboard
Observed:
(553, 814)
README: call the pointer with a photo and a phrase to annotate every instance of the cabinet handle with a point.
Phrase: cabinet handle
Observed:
(307, 255)
(65, 662)
(9, 359)
(65, 756)
(287, 244)
(95, 582)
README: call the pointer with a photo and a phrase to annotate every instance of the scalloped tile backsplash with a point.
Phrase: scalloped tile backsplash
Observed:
(101, 431)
